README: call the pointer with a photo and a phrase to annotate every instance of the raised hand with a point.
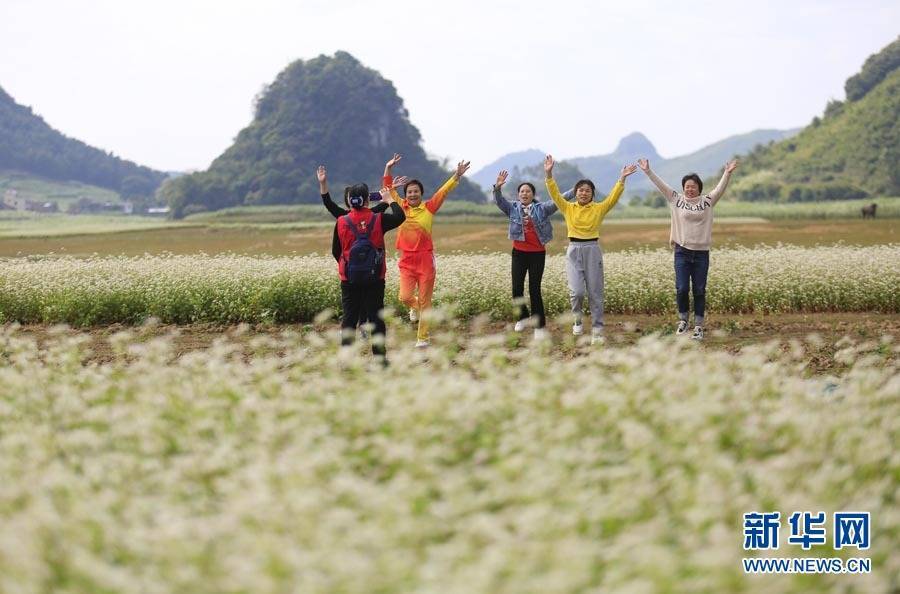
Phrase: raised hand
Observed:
(393, 161)
(386, 195)
(644, 164)
(501, 178)
(731, 166)
(548, 165)
(626, 171)
(461, 168)
(321, 174)
(399, 182)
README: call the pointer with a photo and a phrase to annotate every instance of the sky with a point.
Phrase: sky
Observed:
(170, 83)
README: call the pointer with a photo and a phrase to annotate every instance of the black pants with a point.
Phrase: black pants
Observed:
(531, 263)
(363, 301)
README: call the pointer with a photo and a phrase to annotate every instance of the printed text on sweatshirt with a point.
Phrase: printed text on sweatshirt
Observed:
(691, 219)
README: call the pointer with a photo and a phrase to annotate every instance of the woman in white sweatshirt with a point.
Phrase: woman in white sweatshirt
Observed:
(690, 237)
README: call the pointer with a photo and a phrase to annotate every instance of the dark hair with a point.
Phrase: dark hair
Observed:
(347, 196)
(358, 190)
(586, 182)
(692, 176)
(414, 182)
(529, 184)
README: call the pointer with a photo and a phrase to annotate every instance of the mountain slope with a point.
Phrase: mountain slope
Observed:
(853, 150)
(31, 146)
(328, 110)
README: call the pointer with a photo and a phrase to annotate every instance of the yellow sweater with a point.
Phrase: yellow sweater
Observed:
(583, 222)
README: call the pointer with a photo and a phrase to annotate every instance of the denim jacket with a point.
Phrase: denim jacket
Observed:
(540, 216)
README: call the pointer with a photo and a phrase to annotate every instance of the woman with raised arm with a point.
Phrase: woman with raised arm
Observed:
(358, 248)
(338, 212)
(415, 247)
(530, 230)
(690, 236)
(584, 258)
(335, 210)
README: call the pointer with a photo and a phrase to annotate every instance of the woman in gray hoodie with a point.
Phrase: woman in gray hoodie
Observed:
(690, 237)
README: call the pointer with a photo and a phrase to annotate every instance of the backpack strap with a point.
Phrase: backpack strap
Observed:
(356, 232)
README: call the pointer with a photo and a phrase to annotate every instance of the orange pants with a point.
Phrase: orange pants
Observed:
(417, 271)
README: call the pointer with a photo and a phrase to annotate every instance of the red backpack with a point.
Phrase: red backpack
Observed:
(364, 261)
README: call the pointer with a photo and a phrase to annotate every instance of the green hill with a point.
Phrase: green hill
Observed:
(30, 146)
(852, 151)
(328, 110)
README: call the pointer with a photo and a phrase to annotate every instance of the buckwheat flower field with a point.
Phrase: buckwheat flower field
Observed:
(289, 464)
(229, 289)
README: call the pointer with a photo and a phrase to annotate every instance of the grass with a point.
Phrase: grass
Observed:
(62, 192)
(129, 236)
(16, 225)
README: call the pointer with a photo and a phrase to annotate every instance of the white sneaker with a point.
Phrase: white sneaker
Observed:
(364, 334)
(577, 329)
(413, 315)
(423, 344)
(597, 336)
(520, 325)
(541, 334)
(698, 333)
(681, 328)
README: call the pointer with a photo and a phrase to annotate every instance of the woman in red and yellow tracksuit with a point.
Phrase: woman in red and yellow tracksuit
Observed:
(414, 244)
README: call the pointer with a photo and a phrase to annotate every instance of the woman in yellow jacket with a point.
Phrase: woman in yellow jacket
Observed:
(584, 258)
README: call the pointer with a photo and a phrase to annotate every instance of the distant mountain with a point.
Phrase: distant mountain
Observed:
(487, 175)
(28, 144)
(604, 169)
(565, 173)
(328, 110)
(709, 160)
(852, 151)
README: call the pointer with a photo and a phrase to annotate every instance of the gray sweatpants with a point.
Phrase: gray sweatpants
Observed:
(584, 269)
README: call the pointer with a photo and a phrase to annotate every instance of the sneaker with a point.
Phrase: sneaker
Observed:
(520, 325)
(698, 333)
(541, 334)
(597, 336)
(577, 329)
(681, 328)
(364, 334)
(422, 344)
(413, 315)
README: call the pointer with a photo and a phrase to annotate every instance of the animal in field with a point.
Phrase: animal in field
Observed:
(868, 212)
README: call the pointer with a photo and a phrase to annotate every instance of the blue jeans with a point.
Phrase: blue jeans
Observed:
(691, 269)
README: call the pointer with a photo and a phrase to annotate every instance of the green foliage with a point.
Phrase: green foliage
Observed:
(329, 110)
(772, 191)
(30, 145)
(876, 69)
(852, 152)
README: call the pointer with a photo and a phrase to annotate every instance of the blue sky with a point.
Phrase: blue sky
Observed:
(170, 83)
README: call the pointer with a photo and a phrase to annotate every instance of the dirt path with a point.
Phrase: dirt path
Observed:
(731, 333)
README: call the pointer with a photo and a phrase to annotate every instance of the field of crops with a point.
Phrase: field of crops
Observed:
(230, 289)
(305, 468)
